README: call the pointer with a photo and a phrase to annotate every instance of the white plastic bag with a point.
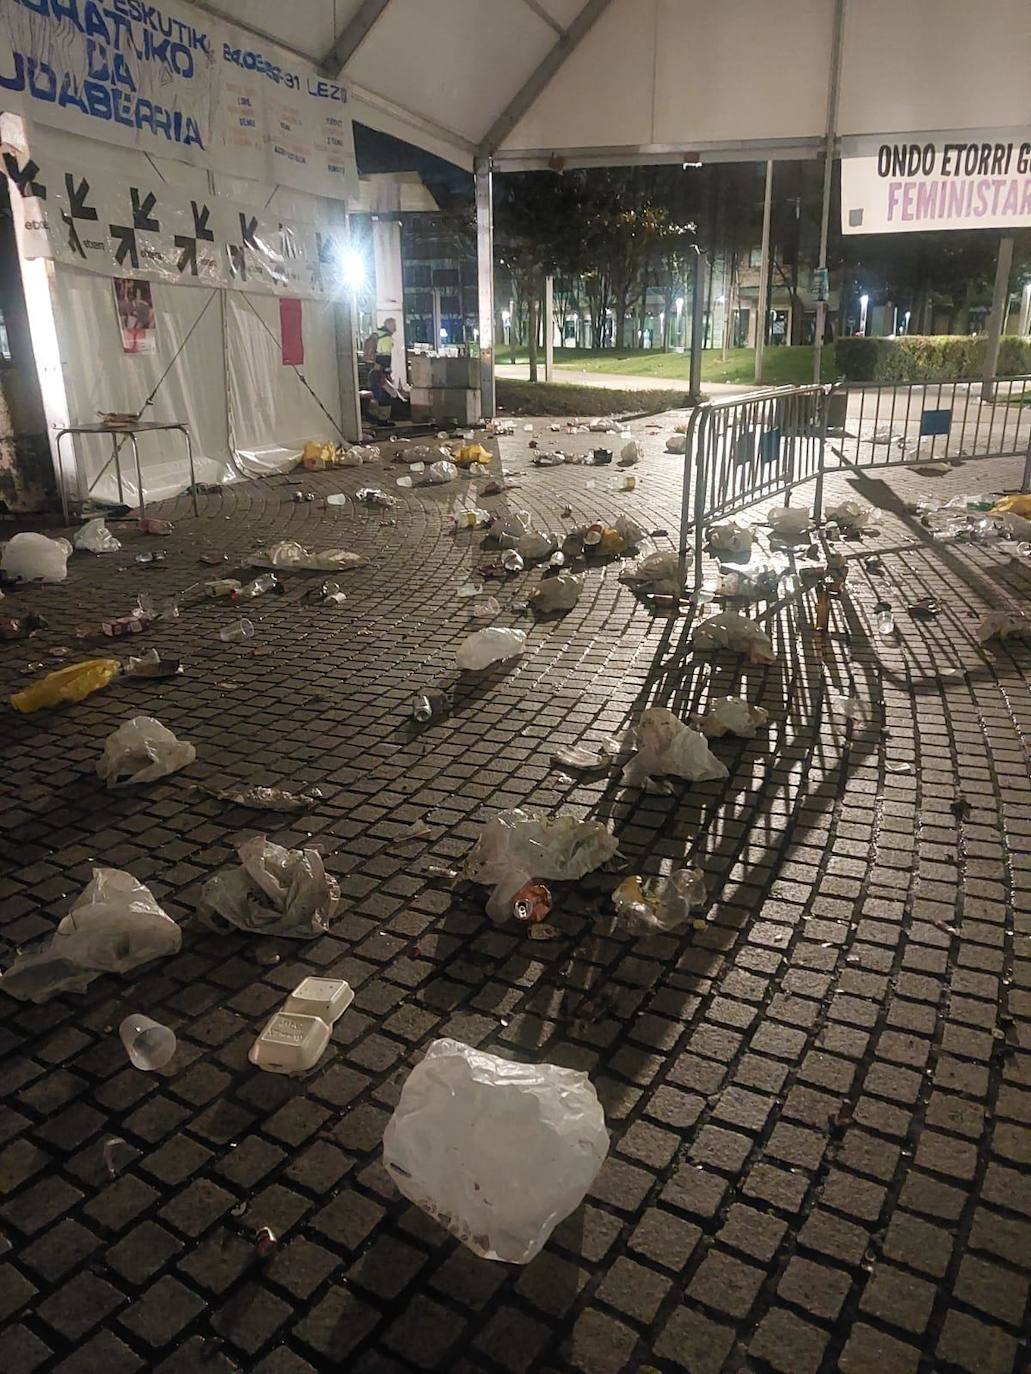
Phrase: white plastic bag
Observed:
(602, 427)
(36, 558)
(141, 750)
(729, 538)
(534, 545)
(438, 473)
(628, 530)
(731, 716)
(498, 1152)
(288, 555)
(484, 647)
(648, 905)
(115, 925)
(676, 443)
(559, 593)
(850, 515)
(659, 571)
(630, 454)
(95, 537)
(512, 527)
(668, 747)
(1003, 625)
(275, 891)
(515, 847)
(730, 630)
(789, 521)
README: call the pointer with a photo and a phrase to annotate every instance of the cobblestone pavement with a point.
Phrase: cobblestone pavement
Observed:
(818, 1103)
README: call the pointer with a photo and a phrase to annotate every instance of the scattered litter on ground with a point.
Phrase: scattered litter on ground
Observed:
(436, 474)
(113, 1147)
(35, 558)
(1003, 625)
(288, 554)
(429, 706)
(485, 647)
(295, 1037)
(516, 847)
(236, 631)
(71, 683)
(142, 750)
(559, 593)
(898, 766)
(884, 619)
(730, 716)
(730, 630)
(470, 520)
(578, 757)
(375, 496)
(149, 1044)
(149, 524)
(274, 891)
(646, 905)
(729, 538)
(486, 609)
(789, 521)
(22, 626)
(95, 537)
(668, 747)
(848, 515)
(630, 454)
(497, 1151)
(658, 572)
(222, 586)
(152, 665)
(532, 903)
(543, 930)
(266, 798)
(924, 609)
(676, 443)
(114, 925)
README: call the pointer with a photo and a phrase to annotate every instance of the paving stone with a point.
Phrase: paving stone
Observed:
(79, 1305)
(756, 1233)
(337, 1325)
(424, 1332)
(818, 1288)
(787, 1343)
(102, 1352)
(694, 1342)
(918, 1244)
(513, 1340)
(634, 1289)
(161, 1313)
(868, 1349)
(665, 1238)
(726, 1284)
(992, 1289)
(898, 1298)
(975, 1345)
(23, 1350)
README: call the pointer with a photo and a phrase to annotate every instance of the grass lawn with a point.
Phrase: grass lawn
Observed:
(781, 366)
(527, 398)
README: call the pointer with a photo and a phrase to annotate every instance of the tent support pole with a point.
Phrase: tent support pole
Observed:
(763, 313)
(485, 283)
(697, 327)
(997, 319)
(828, 170)
(549, 327)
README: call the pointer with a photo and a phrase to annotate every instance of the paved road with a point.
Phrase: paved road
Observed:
(818, 1102)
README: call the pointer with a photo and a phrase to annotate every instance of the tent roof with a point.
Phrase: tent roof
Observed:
(618, 80)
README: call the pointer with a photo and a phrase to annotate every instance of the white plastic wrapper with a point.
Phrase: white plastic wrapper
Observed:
(1011, 524)
(601, 427)
(515, 847)
(666, 747)
(534, 545)
(142, 750)
(731, 716)
(559, 593)
(731, 630)
(729, 538)
(676, 443)
(789, 521)
(498, 1152)
(659, 904)
(288, 555)
(275, 891)
(36, 558)
(114, 926)
(512, 527)
(1003, 625)
(628, 530)
(850, 515)
(630, 454)
(660, 572)
(95, 537)
(495, 645)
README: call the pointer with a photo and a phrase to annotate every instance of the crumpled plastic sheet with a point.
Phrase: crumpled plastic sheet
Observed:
(35, 558)
(667, 747)
(95, 537)
(729, 538)
(789, 521)
(498, 1152)
(433, 475)
(114, 926)
(534, 545)
(659, 571)
(731, 716)
(850, 515)
(142, 750)
(628, 530)
(288, 554)
(275, 891)
(484, 647)
(559, 593)
(516, 846)
(630, 454)
(676, 443)
(730, 630)
(1003, 625)
(659, 904)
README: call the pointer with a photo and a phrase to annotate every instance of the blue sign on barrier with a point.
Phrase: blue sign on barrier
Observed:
(935, 422)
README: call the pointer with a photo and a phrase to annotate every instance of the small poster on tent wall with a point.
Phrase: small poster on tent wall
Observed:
(291, 332)
(136, 319)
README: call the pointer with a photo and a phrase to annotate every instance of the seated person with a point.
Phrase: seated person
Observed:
(388, 395)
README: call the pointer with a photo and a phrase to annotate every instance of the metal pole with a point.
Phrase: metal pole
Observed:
(549, 326)
(1025, 310)
(762, 321)
(485, 284)
(697, 327)
(1000, 300)
(828, 169)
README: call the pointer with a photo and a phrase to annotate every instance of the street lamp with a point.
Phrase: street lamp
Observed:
(864, 301)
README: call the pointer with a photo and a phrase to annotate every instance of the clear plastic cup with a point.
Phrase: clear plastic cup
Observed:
(239, 629)
(149, 1044)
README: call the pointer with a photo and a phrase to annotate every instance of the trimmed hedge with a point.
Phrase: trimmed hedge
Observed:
(930, 358)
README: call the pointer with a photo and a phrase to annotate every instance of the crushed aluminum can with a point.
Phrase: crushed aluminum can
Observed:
(531, 903)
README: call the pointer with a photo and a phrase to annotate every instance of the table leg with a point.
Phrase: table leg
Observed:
(193, 476)
(139, 474)
(118, 466)
(65, 511)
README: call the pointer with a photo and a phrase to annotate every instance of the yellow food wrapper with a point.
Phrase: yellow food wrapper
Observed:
(71, 683)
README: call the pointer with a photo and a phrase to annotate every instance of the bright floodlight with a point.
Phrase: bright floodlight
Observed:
(352, 268)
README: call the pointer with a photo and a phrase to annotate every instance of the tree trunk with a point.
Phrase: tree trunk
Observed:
(531, 330)
(644, 308)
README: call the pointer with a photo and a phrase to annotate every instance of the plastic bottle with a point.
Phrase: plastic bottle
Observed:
(149, 1044)
(429, 706)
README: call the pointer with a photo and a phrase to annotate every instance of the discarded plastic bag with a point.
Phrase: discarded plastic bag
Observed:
(789, 521)
(578, 757)
(1010, 523)
(850, 515)
(1003, 625)
(676, 443)
(645, 905)
(275, 891)
(668, 747)
(515, 847)
(35, 558)
(114, 926)
(535, 545)
(71, 683)
(628, 530)
(659, 571)
(142, 750)
(1018, 503)
(559, 593)
(730, 630)
(95, 537)
(489, 646)
(729, 538)
(498, 1152)
(630, 454)
(731, 716)
(288, 554)
(471, 454)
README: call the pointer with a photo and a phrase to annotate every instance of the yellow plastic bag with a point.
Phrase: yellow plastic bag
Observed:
(469, 454)
(611, 542)
(316, 456)
(71, 683)
(1014, 505)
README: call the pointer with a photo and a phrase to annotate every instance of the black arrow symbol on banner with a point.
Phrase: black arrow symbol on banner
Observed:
(188, 256)
(141, 216)
(247, 228)
(126, 245)
(200, 222)
(73, 237)
(77, 196)
(23, 177)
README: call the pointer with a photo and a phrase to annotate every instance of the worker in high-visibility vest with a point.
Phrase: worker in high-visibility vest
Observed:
(379, 346)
